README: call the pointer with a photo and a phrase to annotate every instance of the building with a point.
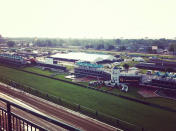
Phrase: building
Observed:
(138, 59)
(85, 69)
(12, 59)
(81, 56)
(115, 72)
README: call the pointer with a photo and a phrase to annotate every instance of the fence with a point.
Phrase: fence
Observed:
(9, 121)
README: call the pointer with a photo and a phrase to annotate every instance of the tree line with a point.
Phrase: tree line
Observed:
(103, 44)
(110, 44)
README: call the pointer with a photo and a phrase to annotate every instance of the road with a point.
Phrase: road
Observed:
(51, 110)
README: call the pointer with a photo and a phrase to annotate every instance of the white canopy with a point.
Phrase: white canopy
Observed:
(91, 57)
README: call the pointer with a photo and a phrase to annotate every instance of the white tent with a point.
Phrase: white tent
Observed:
(91, 57)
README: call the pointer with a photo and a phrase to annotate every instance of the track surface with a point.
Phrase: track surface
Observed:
(58, 112)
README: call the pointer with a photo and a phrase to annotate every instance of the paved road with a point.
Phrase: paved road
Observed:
(58, 112)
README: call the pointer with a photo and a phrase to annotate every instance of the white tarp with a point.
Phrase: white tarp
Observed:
(91, 57)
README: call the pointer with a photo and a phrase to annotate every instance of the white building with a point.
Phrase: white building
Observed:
(115, 72)
(138, 59)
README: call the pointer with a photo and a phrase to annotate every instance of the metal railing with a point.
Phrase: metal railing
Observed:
(9, 121)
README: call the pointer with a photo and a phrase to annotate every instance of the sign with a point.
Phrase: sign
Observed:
(154, 47)
(130, 79)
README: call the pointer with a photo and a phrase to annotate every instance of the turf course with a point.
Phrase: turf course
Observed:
(148, 117)
(131, 93)
(40, 71)
(44, 72)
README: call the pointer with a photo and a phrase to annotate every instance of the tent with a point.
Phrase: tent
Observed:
(98, 59)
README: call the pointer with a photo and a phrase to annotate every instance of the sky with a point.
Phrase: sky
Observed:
(88, 18)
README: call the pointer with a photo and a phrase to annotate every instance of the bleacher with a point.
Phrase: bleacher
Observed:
(94, 73)
(11, 59)
(155, 66)
(168, 84)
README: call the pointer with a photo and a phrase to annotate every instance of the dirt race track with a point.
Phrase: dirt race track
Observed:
(52, 110)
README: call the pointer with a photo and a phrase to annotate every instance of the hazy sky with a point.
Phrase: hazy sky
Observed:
(88, 18)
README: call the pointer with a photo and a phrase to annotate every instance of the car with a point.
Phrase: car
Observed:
(149, 72)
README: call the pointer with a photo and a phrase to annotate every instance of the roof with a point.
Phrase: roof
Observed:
(90, 57)
(89, 65)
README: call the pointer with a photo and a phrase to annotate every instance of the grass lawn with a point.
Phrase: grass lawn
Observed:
(69, 67)
(62, 76)
(39, 71)
(131, 93)
(163, 102)
(84, 83)
(46, 72)
(150, 118)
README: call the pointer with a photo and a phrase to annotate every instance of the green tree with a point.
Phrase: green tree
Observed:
(110, 47)
(122, 48)
(126, 66)
(172, 48)
(149, 50)
(10, 43)
(100, 46)
(118, 41)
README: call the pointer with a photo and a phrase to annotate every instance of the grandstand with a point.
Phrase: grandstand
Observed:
(167, 84)
(12, 59)
(18, 61)
(158, 65)
(91, 69)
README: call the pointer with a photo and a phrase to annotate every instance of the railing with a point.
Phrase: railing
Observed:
(10, 121)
